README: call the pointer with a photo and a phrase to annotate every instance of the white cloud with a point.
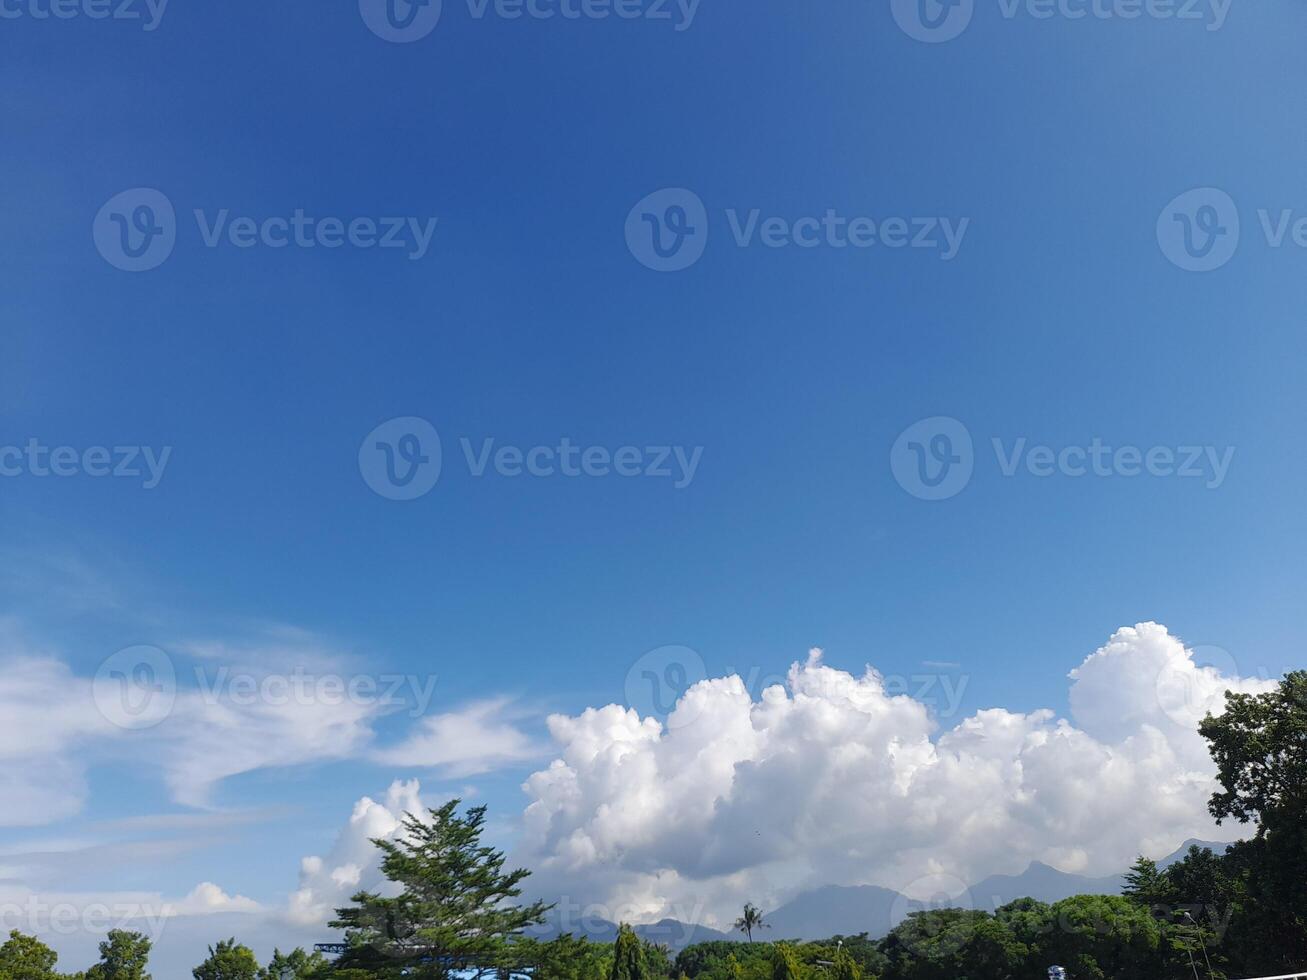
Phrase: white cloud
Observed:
(206, 898)
(42, 717)
(479, 737)
(832, 780)
(353, 862)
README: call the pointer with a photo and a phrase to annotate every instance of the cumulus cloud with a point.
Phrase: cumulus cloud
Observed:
(475, 739)
(326, 883)
(832, 779)
(206, 898)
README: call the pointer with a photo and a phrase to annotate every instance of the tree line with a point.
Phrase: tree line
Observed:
(1209, 916)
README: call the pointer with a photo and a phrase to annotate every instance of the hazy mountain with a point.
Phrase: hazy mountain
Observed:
(1040, 882)
(840, 910)
(672, 932)
(833, 909)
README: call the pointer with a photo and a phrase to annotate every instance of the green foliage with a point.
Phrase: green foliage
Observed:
(569, 958)
(26, 958)
(845, 967)
(295, 965)
(949, 944)
(628, 956)
(724, 960)
(228, 960)
(1260, 748)
(1096, 936)
(124, 955)
(785, 964)
(454, 909)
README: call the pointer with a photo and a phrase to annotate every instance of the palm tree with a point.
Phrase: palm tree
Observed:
(750, 920)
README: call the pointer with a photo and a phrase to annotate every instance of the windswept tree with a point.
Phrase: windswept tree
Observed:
(454, 912)
(750, 920)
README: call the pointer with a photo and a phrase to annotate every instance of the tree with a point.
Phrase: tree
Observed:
(568, 958)
(947, 944)
(1259, 745)
(785, 964)
(124, 955)
(26, 958)
(1260, 748)
(843, 967)
(628, 956)
(295, 965)
(229, 960)
(1148, 886)
(454, 911)
(1101, 936)
(750, 920)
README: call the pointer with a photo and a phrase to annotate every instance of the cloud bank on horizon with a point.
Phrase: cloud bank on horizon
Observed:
(830, 779)
(827, 779)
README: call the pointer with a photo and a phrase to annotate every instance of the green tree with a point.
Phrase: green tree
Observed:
(1259, 745)
(295, 965)
(454, 911)
(950, 944)
(26, 958)
(228, 960)
(785, 964)
(124, 955)
(844, 967)
(1150, 887)
(1098, 936)
(750, 920)
(628, 956)
(569, 958)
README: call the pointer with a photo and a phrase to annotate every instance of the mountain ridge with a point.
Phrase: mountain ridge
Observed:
(829, 910)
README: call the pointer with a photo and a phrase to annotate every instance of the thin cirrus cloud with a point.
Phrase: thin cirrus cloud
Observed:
(218, 726)
(474, 739)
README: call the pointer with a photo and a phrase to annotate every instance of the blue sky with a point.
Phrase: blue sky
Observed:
(1059, 320)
